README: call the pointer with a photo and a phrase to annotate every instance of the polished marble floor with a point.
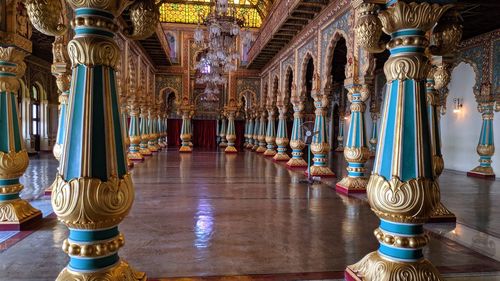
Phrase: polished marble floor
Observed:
(244, 217)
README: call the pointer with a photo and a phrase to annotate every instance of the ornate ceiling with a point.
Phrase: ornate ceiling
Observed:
(192, 11)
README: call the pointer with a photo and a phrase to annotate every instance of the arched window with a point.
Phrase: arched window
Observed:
(35, 115)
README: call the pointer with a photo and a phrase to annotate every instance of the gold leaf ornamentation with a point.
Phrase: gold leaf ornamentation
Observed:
(356, 154)
(13, 164)
(92, 51)
(45, 16)
(145, 17)
(122, 271)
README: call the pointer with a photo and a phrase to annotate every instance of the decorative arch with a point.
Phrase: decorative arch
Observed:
(24, 92)
(273, 95)
(476, 89)
(330, 51)
(305, 61)
(249, 97)
(42, 94)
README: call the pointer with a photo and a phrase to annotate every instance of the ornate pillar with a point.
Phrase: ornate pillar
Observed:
(185, 129)
(245, 136)
(125, 129)
(281, 135)
(250, 130)
(402, 190)
(441, 213)
(134, 132)
(486, 146)
(256, 129)
(190, 126)
(373, 138)
(145, 134)
(165, 128)
(356, 152)
(297, 142)
(94, 191)
(161, 129)
(262, 132)
(15, 213)
(222, 133)
(153, 130)
(270, 137)
(231, 131)
(319, 144)
(340, 137)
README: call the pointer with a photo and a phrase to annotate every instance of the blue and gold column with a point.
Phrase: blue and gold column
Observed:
(231, 130)
(262, 132)
(145, 134)
(250, 130)
(245, 135)
(281, 135)
(270, 137)
(185, 130)
(297, 142)
(165, 128)
(256, 129)
(125, 129)
(373, 138)
(441, 213)
(402, 190)
(134, 133)
(15, 213)
(161, 130)
(356, 152)
(340, 137)
(94, 191)
(486, 146)
(222, 132)
(152, 129)
(319, 145)
(190, 126)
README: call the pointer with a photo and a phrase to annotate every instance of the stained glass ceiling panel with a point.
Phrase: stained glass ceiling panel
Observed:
(191, 11)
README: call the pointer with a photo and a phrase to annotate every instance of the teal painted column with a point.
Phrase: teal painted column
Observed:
(245, 135)
(262, 132)
(340, 137)
(356, 151)
(16, 213)
(296, 140)
(270, 136)
(222, 134)
(165, 129)
(486, 146)
(319, 145)
(256, 129)
(94, 191)
(134, 132)
(282, 135)
(250, 130)
(185, 132)
(153, 131)
(374, 136)
(231, 131)
(145, 134)
(402, 190)
(161, 131)
(124, 126)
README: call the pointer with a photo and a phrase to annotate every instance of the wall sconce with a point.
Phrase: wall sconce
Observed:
(457, 105)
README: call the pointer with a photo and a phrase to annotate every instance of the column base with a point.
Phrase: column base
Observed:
(18, 215)
(119, 272)
(135, 157)
(260, 149)
(339, 149)
(186, 149)
(375, 268)
(153, 149)
(190, 144)
(254, 147)
(130, 164)
(442, 214)
(269, 152)
(249, 146)
(321, 171)
(222, 144)
(230, 149)
(350, 185)
(145, 152)
(281, 157)
(296, 163)
(482, 172)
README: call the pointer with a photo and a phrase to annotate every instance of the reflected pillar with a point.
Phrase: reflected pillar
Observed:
(402, 190)
(485, 147)
(185, 131)
(319, 145)
(231, 131)
(356, 152)
(271, 132)
(134, 133)
(297, 142)
(222, 133)
(15, 213)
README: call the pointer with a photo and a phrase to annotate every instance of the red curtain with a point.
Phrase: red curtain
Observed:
(240, 133)
(174, 132)
(204, 134)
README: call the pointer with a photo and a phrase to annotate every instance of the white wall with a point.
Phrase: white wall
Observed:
(460, 131)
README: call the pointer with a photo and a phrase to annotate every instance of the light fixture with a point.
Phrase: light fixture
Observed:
(457, 105)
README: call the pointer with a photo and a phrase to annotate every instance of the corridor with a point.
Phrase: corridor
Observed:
(243, 216)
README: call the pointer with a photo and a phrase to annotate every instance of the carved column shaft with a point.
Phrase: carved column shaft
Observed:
(153, 131)
(145, 133)
(281, 135)
(250, 130)
(271, 132)
(231, 131)
(256, 129)
(486, 146)
(186, 131)
(222, 133)
(134, 132)
(262, 133)
(296, 139)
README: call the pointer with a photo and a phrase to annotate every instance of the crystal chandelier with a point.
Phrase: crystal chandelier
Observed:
(211, 93)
